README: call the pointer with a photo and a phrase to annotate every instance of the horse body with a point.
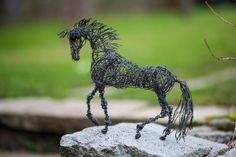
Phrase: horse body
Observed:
(114, 70)
(108, 68)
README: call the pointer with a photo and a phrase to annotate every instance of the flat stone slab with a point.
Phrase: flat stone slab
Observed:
(211, 134)
(46, 114)
(120, 142)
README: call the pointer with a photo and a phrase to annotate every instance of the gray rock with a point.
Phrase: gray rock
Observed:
(211, 134)
(120, 142)
(230, 153)
(222, 124)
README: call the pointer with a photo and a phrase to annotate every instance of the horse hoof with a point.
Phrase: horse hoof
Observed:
(139, 127)
(162, 138)
(96, 123)
(104, 131)
(137, 136)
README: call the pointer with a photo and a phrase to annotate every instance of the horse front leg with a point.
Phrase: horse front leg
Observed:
(89, 114)
(107, 121)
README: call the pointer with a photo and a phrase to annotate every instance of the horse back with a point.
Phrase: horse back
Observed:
(121, 73)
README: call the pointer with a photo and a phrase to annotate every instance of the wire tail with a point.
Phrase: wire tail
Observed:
(183, 112)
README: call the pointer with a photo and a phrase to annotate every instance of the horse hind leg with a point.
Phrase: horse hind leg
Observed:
(170, 123)
(139, 127)
(89, 114)
(107, 121)
(167, 111)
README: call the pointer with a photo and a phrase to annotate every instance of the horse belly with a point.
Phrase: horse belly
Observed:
(123, 78)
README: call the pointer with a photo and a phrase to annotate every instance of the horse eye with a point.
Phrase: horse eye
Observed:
(72, 38)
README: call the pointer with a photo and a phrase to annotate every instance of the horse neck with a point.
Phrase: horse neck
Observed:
(99, 47)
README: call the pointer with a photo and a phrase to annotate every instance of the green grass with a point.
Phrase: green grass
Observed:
(34, 62)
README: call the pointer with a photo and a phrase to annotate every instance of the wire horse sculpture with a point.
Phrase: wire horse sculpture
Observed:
(108, 68)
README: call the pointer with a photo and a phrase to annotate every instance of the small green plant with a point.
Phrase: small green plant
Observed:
(27, 144)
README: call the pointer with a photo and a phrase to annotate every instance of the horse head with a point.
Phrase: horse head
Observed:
(77, 37)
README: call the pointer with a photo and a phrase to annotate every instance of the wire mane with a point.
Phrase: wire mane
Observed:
(99, 33)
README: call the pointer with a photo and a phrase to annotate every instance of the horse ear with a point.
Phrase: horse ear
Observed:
(63, 33)
(87, 20)
(84, 21)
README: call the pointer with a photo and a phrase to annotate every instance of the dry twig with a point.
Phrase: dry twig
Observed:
(218, 58)
(219, 16)
(227, 22)
(232, 143)
(234, 136)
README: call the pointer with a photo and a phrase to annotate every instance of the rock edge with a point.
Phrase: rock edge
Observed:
(120, 142)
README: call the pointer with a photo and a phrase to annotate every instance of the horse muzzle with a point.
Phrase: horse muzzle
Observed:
(75, 57)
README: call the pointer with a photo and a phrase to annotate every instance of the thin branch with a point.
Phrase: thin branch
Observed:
(218, 58)
(234, 136)
(219, 16)
(232, 142)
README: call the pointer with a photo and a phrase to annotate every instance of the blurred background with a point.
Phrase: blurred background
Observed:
(35, 63)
